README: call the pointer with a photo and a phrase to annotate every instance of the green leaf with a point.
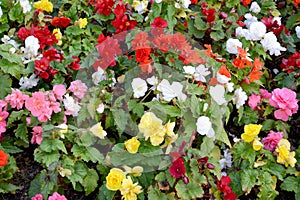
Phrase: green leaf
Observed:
(49, 145)
(5, 85)
(188, 191)
(58, 66)
(163, 110)
(218, 35)
(90, 181)
(156, 194)
(291, 184)
(245, 151)
(15, 14)
(200, 24)
(120, 118)
(46, 157)
(21, 132)
(36, 183)
(80, 171)
(14, 116)
(105, 194)
(7, 187)
(11, 68)
(207, 146)
(249, 180)
(195, 106)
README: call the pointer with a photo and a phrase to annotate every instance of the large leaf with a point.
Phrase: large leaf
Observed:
(90, 181)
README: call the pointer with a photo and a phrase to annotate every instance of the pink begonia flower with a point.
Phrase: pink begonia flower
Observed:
(39, 106)
(16, 99)
(28, 120)
(271, 141)
(3, 116)
(78, 88)
(3, 104)
(265, 94)
(53, 104)
(285, 100)
(56, 196)
(59, 91)
(254, 99)
(37, 197)
(37, 135)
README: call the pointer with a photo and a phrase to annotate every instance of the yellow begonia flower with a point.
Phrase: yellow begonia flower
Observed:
(135, 171)
(132, 145)
(98, 131)
(284, 155)
(44, 5)
(58, 35)
(257, 145)
(250, 132)
(130, 190)
(114, 179)
(82, 22)
(152, 127)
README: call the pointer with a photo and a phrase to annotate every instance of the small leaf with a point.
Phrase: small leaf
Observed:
(90, 182)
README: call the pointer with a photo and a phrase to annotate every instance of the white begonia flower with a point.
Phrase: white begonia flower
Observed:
(255, 7)
(230, 87)
(171, 91)
(240, 97)
(158, 1)
(140, 6)
(31, 49)
(200, 73)
(1, 12)
(71, 106)
(222, 78)
(25, 6)
(240, 32)
(28, 83)
(100, 108)
(257, 30)
(232, 45)
(152, 81)
(139, 87)
(278, 19)
(7, 40)
(249, 19)
(189, 70)
(297, 29)
(98, 76)
(185, 3)
(226, 161)
(98, 131)
(204, 127)
(218, 94)
(269, 43)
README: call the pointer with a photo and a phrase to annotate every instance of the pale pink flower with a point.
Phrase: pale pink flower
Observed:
(37, 137)
(271, 141)
(59, 91)
(265, 94)
(56, 196)
(3, 104)
(53, 104)
(16, 99)
(285, 100)
(37, 197)
(38, 105)
(254, 99)
(78, 88)
(3, 116)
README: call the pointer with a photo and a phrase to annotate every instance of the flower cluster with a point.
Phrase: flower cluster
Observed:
(223, 186)
(151, 127)
(117, 180)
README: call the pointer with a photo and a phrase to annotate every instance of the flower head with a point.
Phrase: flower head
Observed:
(98, 131)
(152, 127)
(271, 141)
(37, 197)
(44, 5)
(250, 132)
(3, 158)
(177, 168)
(37, 137)
(56, 196)
(204, 127)
(284, 155)
(114, 179)
(132, 145)
(82, 22)
(232, 44)
(139, 87)
(255, 7)
(78, 88)
(130, 190)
